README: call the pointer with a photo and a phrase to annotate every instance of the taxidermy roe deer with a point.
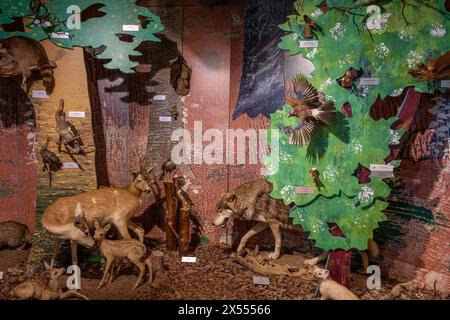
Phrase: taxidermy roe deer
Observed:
(130, 248)
(69, 217)
(40, 290)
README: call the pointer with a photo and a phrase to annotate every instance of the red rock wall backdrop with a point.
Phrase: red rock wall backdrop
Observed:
(18, 155)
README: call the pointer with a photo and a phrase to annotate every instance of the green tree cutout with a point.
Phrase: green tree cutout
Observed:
(95, 31)
(357, 140)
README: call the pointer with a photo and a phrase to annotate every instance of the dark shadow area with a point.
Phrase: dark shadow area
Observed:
(318, 146)
(16, 107)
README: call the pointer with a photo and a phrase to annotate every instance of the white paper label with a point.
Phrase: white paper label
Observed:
(195, 105)
(77, 114)
(1, 275)
(70, 165)
(382, 174)
(60, 35)
(382, 167)
(261, 280)
(189, 259)
(370, 81)
(39, 94)
(445, 83)
(130, 27)
(309, 44)
(165, 119)
(159, 97)
(304, 190)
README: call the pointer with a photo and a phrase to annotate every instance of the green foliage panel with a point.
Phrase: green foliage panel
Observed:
(356, 222)
(93, 31)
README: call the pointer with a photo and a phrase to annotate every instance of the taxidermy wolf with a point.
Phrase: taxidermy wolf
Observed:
(251, 201)
(30, 55)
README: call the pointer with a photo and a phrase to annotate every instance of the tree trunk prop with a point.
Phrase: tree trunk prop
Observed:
(185, 226)
(339, 265)
(171, 217)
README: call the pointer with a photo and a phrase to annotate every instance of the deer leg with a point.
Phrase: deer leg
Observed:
(313, 261)
(260, 226)
(137, 229)
(107, 267)
(365, 260)
(73, 251)
(141, 267)
(55, 251)
(122, 227)
(275, 227)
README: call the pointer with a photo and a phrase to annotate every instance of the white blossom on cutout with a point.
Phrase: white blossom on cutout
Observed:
(397, 92)
(310, 55)
(366, 195)
(414, 58)
(382, 50)
(393, 137)
(337, 32)
(325, 85)
(330, 174)
(316, 13)
(406, 33)
(438, 30)
(355, 146)
(288, 193)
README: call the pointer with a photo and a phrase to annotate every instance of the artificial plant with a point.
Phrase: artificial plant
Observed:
(101, 24)
(406, 33)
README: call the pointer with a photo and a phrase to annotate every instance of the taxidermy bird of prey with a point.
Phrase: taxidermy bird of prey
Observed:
(311, 113)
(51, 161)
(68, 134)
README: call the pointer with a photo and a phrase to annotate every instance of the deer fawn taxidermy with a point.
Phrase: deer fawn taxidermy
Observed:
(132, 249)
(30, 55)
(41, 290)
(113, 205)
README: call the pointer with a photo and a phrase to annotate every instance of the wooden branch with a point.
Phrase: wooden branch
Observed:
(251, 262)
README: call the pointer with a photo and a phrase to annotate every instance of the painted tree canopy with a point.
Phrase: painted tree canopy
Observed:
(100, 24)
(406, 34)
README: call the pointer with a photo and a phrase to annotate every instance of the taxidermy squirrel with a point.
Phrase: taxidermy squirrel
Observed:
(180, 76)
(30, 55)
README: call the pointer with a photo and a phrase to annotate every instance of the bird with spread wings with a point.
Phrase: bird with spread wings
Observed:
(310, 111)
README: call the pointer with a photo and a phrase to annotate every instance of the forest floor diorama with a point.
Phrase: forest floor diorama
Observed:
(215, 275)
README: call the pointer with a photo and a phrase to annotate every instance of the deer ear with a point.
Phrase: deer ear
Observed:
(46, 265)
(232, 197)
(96, 224)
(107, 227)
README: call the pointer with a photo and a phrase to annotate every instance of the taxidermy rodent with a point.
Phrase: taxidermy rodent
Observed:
(330, 289)
(30, 55)
(14, 235)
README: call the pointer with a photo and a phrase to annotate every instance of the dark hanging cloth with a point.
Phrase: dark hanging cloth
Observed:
(262, 82)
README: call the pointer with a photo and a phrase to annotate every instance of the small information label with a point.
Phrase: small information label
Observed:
(189, 259)
(309, 44)
(159, 97)
(445, 83)
(382, 167)
(60, 35)
(77, 114)
(304, 190)
(70, 165)
(130, 27)
(370, 81)
(261, 280)
(39, 94)
(381, 170)
(165, 119)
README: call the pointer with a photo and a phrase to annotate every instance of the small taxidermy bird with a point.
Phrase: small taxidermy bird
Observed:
(316, 179)
(180, 76)
(437, 69)
(311, 113)
(67, 133)
(168, 170)
(51, 161)
(30, 55)
(346, 81)
(310, 27)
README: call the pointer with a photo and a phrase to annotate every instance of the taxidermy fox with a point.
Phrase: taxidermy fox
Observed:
(251, 201)
(30, 55)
